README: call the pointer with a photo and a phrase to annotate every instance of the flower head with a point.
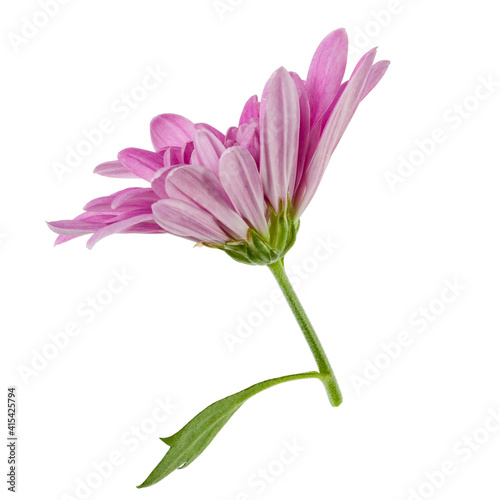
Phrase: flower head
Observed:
(243, 191)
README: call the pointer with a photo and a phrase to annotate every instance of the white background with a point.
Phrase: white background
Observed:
(164, 336)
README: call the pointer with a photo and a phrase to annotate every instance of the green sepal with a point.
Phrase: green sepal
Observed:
(265, 250)
(283, 232)
(236, 256)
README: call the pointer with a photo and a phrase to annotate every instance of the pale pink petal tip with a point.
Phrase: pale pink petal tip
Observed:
(114, 169)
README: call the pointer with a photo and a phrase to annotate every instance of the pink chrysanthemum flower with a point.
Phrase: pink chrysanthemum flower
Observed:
(243, 191)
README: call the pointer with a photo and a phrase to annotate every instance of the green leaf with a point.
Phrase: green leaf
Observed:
(188, 443)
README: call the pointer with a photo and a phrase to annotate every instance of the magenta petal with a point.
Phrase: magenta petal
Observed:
(326, 72)
(231, 134)
(202, 188)
(207, 150)
(171, 130)
(333, 131)
(376, 73)
(143, 163)
(250, 110)
(279, 136)
(117, 227)
(240, 178)
(114, 169)
(172, 156)
(187, 152)
(183, 219)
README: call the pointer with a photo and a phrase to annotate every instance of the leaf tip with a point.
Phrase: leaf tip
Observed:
(168, 440)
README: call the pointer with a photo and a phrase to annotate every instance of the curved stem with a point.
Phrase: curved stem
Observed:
(261, 386)
(328, 379)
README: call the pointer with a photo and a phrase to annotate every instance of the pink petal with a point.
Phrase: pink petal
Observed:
(171, 130)
(104, 203)
(148, 227)
(305, 127)
(200, 187)
(143, 163)
(213, 130)
(117, 227)
(75, 227)
(250, 110)
(207, 150)
(119, 216)
(85, 223)
(326, 116)
(158, 182)
(114, 169)
(248, 138)
(326, 72)
(183, 219)
(279, 136)
(376, 73)
(64, 238)
(101, 204)
(135, 198)
(334, 129)
(122, 201)
(240, 178)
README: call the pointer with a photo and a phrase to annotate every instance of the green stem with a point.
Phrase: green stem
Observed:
(328, 379)
(261, 386)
